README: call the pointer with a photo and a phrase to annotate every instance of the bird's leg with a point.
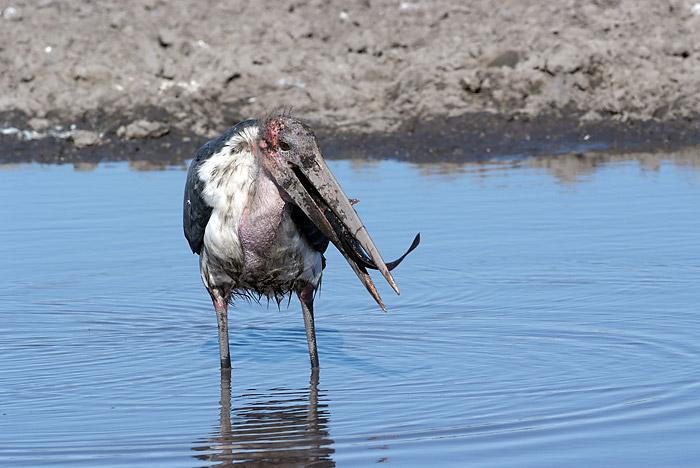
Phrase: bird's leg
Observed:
(306, 296)
(221, 306)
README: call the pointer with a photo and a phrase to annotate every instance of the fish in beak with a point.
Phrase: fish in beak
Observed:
(291, 154)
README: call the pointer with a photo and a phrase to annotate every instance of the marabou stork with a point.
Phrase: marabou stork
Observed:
(260, 208)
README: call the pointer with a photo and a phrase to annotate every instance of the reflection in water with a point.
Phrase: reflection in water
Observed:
(156, 165)
(576, 166)
(571, 167)
(280, 427)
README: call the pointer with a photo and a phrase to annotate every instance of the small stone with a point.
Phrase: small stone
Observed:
(472, 82)
(409, 6)
(677, 49)
(118, 19)
(166, 37)
(661, 111)
(581, 81)
(83, 138)
(38, 125)
(12, 14)
(509, 58)
(142, 129)
(643, 52)
(92, 72)
(565, 58)
(168, 70)
(557, 91)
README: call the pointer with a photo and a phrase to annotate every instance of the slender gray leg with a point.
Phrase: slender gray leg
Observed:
(225, 404)
(221, 307)
(312, 412)
(307, 307)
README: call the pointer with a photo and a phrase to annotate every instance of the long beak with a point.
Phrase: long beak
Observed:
(319, 195)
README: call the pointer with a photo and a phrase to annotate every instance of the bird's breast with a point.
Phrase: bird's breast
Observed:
(274, 250)
(260, 227)
(228, 182)
(252, 238)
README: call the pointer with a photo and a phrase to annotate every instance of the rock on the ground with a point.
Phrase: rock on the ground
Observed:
(142, 129)
(84, 138)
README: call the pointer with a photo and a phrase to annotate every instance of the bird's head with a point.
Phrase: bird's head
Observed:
(286, 143)
(290, 153)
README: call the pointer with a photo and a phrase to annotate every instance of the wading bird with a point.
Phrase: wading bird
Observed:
(260, 208)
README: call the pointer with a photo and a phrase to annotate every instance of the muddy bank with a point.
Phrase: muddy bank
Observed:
(412, 80)
(471, 137)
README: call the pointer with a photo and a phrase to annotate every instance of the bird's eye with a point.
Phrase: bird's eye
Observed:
(284, 146)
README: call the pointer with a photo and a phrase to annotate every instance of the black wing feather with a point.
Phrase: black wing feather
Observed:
(196, 212)
(308, 230)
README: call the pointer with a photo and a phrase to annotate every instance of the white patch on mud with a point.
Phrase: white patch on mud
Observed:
(191, 86)
(28, 135)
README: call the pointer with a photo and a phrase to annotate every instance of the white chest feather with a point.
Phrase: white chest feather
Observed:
(230, 179)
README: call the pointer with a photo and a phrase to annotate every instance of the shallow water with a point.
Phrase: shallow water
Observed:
(543, 321)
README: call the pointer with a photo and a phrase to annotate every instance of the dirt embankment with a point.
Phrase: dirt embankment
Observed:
(425, 79)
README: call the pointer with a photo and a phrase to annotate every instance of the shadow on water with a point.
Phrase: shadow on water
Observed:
(269, 345)
(279, 427)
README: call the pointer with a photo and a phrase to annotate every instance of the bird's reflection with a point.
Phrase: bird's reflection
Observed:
(280, 427)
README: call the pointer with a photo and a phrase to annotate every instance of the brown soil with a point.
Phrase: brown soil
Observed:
(422, 80)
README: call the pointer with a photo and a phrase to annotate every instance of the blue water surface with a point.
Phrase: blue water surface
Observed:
(549, 318)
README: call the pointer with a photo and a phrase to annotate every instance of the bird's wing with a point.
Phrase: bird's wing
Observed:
(308, 230)
(196, 212)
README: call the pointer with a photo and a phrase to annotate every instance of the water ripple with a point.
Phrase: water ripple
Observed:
(540, 324)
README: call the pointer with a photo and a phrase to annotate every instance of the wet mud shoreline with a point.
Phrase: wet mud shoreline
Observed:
(468, 138)
(417, 81)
